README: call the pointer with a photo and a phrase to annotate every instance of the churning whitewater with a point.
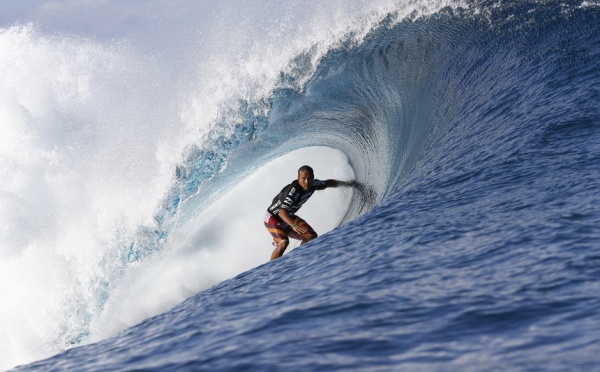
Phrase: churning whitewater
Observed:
(138, 156)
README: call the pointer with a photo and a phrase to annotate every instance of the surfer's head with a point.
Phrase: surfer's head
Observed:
(306, 176)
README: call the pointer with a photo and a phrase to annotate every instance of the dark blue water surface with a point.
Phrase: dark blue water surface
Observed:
(473, 239)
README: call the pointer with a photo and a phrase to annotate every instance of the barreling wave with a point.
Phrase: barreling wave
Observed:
(394, 101)
(438, 97)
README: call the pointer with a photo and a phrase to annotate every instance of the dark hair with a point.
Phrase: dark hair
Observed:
(306, 168)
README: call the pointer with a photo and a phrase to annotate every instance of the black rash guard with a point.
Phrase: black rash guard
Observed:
(293, 196)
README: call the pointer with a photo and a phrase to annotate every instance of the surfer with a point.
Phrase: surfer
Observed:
(281, 220)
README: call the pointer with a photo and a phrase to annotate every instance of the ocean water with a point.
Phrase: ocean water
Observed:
(137, 162)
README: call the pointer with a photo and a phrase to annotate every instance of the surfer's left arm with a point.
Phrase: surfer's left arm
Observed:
(336, 183)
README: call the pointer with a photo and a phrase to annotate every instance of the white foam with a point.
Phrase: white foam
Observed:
(78, 163)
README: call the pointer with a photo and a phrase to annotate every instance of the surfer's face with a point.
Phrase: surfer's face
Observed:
(305, 179)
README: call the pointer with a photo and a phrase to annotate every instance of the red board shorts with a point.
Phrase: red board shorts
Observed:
(281, 231)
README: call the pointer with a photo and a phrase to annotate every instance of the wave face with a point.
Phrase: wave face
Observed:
(470, 242)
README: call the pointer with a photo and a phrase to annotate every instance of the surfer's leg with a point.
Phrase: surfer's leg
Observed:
(308, 237)
(279, 234)
(278, 252)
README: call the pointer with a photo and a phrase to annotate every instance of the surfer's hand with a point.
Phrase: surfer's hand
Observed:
(300, 229)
